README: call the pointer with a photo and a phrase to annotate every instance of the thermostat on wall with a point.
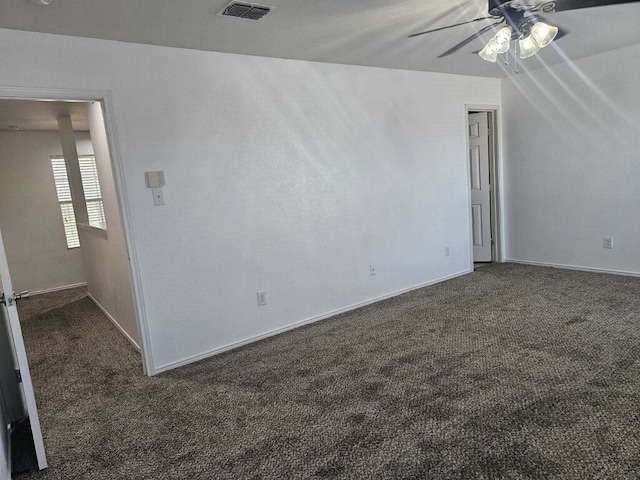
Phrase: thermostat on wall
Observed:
(154, 179)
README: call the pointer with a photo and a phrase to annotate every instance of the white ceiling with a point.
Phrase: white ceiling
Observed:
(33, 115)
(358, 32)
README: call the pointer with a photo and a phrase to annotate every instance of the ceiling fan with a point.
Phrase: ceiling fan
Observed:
(523, 23)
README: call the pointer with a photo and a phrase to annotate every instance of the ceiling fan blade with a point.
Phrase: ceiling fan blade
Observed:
(564, 5)
(450, 26)
(467, 40)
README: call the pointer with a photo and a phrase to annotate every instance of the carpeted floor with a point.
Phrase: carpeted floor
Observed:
(511, 372)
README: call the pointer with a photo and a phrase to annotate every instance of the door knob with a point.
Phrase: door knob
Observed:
(22, 295)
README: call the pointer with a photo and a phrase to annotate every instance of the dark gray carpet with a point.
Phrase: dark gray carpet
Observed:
(511, 372)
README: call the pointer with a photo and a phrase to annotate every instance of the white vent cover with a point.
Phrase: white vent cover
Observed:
(249, 11)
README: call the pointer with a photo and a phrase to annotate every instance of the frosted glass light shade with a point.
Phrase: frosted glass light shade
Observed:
(488, 53)
(502, 39)
(543, 33)
(499, 43)
(528, 47)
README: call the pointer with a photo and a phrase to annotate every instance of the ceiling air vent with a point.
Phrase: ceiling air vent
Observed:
(250, 11)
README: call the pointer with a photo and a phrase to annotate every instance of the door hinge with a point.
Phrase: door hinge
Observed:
(18, 376)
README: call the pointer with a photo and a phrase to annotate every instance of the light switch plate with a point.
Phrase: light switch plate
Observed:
(154, 179)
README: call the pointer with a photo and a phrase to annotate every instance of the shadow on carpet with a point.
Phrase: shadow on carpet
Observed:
(511, 372)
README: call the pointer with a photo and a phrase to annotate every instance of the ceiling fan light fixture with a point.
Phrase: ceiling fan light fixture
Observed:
(543, 33)
(528, 47)
(498, 44)
(502, 40)
(488, 53)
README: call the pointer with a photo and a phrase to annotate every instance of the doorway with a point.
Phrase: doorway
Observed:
(93, 239)
(97, 131)
(58, 175)
(482, 158)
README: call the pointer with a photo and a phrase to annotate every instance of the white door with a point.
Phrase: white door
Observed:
(11, 399)
(5, 444)
(480, 186)
(10, 314)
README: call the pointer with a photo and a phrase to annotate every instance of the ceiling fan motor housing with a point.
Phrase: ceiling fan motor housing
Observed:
(496, 7)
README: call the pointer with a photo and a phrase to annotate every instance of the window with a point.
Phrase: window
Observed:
(92, 194)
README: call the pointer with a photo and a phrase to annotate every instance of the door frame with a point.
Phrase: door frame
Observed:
(104, 96)
(496, 176)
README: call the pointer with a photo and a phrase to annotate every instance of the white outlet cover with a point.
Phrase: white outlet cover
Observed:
(262, 298)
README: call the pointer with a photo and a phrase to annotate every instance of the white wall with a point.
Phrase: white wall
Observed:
(105, 253)
(572, 136)
(30, 217)
(281, 175)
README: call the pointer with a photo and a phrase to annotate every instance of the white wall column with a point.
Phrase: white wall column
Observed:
(70, 153)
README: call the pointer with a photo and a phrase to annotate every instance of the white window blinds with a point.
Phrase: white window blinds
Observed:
(64, 197)
(93, 196)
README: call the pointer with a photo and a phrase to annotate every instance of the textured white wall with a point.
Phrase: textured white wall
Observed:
(30, 217)
(105, 256)
(282, 175)
(572, 136)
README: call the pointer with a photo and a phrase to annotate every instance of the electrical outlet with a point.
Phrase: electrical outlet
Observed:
(262, 298)
(372, 270)
(607, 242)
(446, 251)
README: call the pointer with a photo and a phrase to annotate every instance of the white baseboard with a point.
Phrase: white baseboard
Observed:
(58, 289)
(270, 333)
(575, 267)
(113, 320)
